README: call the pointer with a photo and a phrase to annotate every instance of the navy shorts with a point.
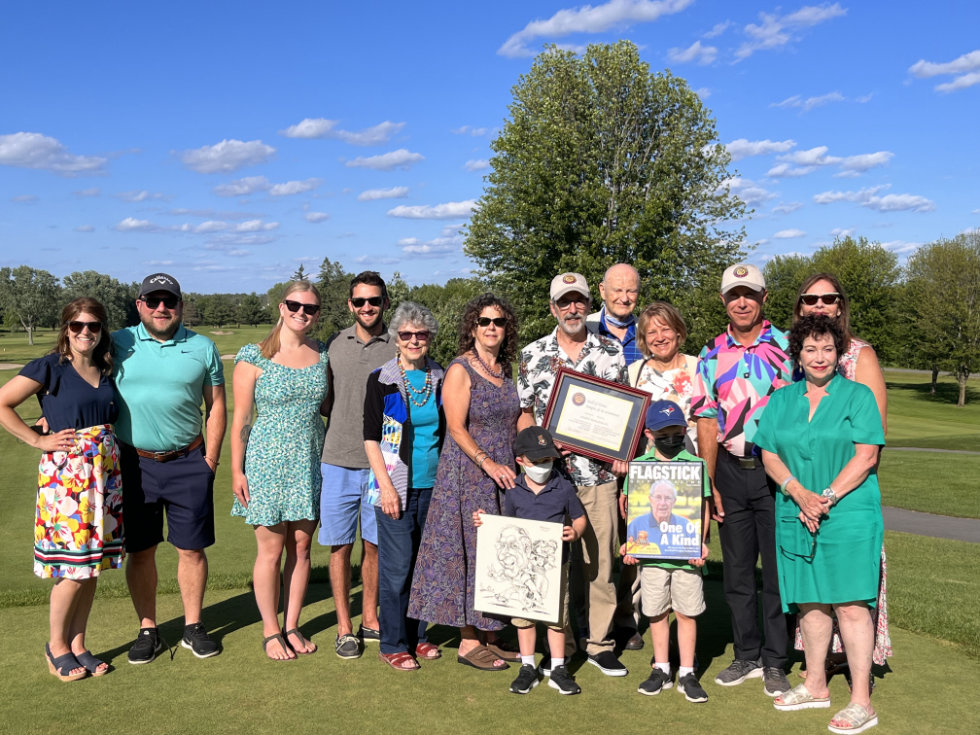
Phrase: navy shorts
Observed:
(183, 489)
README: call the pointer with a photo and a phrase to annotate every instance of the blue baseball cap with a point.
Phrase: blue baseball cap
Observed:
(662, 414)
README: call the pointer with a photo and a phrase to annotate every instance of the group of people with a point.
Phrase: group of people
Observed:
(788, 428)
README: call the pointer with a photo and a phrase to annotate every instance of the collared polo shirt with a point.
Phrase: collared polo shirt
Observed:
(734, 383)
(596, 323)
(350, 362)
(161, 386)
(556, 501)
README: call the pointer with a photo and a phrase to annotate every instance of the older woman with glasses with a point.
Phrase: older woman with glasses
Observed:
(276, 461)
(78, 523)
(820, 438)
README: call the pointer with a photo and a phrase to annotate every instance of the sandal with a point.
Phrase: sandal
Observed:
(480, 657)
(857, 717)
(295, 631)
(799, 697)
(93, 664)
(64, 665)
(282, 642)
(503, 651)
(427, 651)
(401, 661)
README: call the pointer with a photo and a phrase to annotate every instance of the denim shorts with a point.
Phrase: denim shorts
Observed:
(343, 498)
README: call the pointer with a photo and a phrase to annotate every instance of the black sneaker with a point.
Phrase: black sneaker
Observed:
(147, 647)
(775, 680)
(691, 688)
(526, 680)
(739, 670)
(561, 680)
(196, 639)
(655, 683)
(349, 646)
(545, 666)
(608, 664)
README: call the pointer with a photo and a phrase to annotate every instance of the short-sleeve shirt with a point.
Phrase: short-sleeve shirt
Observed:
(556, 501)
(596, 323)
(350, 362)
(161, 386)
(540, 362)
(67, 400)
(735, 382)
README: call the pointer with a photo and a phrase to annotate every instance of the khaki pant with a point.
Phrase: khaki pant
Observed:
(600, 546)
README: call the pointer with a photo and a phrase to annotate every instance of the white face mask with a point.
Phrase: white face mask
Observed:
(539, 473)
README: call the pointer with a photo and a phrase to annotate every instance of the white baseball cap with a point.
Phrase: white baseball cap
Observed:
(742, 274)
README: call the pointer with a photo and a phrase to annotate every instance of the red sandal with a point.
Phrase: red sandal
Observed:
(428, 651)
(401, 661)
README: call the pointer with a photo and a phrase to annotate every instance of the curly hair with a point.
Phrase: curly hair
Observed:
(816, 325)
(102, 356)
(468, 325)
(669, 315)
(844, 319)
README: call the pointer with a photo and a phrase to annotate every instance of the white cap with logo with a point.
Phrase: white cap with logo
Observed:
(742, 274)
(565, 283)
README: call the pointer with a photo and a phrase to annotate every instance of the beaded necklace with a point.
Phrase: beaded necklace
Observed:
(498, 375)
(425, 391)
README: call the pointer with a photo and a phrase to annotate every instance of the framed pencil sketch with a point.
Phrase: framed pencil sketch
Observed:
(663, 512)
(518, 568)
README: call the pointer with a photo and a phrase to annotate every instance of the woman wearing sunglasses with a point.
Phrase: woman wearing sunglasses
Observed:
(820, 439)
(482, 408)
(78, 523)
(823, 294)
(403, 431)
(276, 461)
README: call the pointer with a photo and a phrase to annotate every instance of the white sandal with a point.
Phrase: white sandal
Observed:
(799, 697)
(858, 716)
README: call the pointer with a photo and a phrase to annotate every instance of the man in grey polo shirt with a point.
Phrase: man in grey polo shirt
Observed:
(353, 353)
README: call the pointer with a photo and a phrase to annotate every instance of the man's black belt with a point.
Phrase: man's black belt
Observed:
(749, 462)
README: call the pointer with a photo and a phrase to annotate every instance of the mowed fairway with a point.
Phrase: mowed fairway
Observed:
(934, 586)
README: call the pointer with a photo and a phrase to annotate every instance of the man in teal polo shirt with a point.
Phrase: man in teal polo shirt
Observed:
(163, 373)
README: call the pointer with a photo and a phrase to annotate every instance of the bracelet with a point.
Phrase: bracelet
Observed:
(830, 495)
(784, 483)
(476, 457)
(485, 458)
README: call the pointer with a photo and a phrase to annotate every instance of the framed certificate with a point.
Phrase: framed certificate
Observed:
(663, 512)
(595, 417)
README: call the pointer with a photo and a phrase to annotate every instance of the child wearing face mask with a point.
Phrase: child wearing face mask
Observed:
(672, 585)
(542, 493)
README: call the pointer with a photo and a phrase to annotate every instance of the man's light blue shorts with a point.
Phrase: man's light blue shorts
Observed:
(343, 497)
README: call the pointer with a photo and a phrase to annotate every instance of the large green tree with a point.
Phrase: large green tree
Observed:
(118, 299)
(333, 282)
(942, 302)
(33, 296)
(601, 162)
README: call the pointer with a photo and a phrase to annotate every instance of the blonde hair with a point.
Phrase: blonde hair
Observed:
(270, 345)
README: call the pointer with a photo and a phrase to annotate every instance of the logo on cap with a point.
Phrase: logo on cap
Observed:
(568, 278)
(667, 410)
(740, 272)
(541, 441)
(160, 279)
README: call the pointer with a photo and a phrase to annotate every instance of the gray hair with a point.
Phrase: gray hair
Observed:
(408, 312)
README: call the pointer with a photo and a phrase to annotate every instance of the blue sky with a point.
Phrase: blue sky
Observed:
(227, 143)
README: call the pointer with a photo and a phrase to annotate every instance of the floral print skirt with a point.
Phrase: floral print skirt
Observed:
(78, 528)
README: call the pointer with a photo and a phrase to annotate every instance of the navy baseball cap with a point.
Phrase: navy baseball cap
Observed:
(160, 282)
(662, 414)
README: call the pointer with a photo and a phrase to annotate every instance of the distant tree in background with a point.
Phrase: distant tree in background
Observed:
(119, 299)
(601, 162)
(447, 304)
(32, 296)
(300, 274)
(784, 274)
(333, 283)
(251, 311)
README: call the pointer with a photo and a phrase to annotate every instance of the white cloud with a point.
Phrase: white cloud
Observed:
(84, 193)
(25, 199)
(226, 156)
(211, 226)
(842, 232)
(695, 52)
(746, 190)
(316, 217)
(468, 130)
(131, 224)
(33, 150)
(774, 30)
(787, 171)
(477, 164)
(811, 157)
(787, 207)
(243, 187)
(402, 158)
(965, 68)
(717, 29)
(437, 211)
(589, 19)
(85, 228)
(869, 198)
(375, 259)
(289, 188)
(743, 148)
(311, 127)
(139, 196)
(395, 192)
(322, 128)
(431, 248)
(703, 92)
(901, 246)
(810, 102)
(788, 234)
(866, 161)
(256, 225)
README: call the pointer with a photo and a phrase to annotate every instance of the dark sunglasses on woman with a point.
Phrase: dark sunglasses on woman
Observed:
(498, 321)
(77, 327)
(828, 299)
(308, 309)
(360, 301)
(406, 336)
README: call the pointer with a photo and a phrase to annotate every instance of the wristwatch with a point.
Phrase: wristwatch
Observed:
(830, 495)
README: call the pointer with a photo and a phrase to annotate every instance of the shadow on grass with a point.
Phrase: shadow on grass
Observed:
(946, 392)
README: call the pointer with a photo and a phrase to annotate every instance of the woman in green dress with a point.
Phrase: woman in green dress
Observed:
(820, 439)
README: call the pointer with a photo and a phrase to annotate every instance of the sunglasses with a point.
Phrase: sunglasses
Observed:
(308, 309)
(77, 327)
(497, 321)
(169, 302)
(828, 299)
(422, 336)
(360, 301)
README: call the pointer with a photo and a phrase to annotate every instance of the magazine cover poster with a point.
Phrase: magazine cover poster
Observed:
(663, 518)
(518, 568)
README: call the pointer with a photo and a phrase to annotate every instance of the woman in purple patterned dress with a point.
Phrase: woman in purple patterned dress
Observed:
(477, 461)
(823, 294)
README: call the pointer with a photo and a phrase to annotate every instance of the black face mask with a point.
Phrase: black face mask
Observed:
(669, 446)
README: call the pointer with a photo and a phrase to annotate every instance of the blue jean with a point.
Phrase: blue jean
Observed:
(398, 545)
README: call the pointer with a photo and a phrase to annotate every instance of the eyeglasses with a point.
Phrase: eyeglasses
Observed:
(360, 301)
(497, 321)
(169, 302)
(422, 336)
(828, 299)
(77, 327)
(565, 302)
(308, 309)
